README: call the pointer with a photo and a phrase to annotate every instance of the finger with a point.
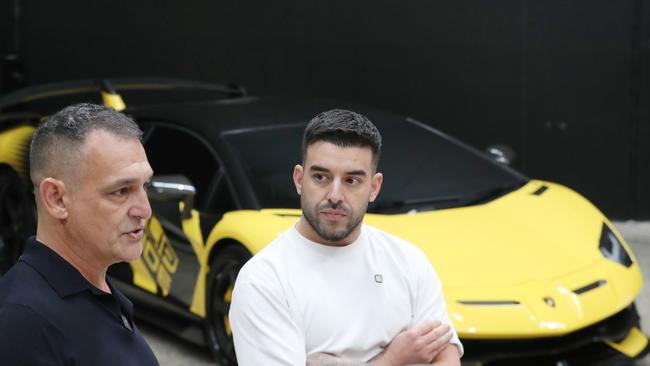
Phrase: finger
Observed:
(435, 323)
(426, 340)
(442, 328)
(424, 328)
(446, 338)
(436, 340)
(439, 345)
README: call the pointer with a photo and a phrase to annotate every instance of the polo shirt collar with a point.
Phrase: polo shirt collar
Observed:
(126, 305)
(61, 275)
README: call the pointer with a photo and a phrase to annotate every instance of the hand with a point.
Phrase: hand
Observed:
(420, 344)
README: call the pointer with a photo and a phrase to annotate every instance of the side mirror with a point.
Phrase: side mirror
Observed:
(173, 188)
(501, 153)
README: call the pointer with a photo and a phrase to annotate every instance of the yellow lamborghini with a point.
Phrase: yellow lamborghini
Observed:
(533, 273)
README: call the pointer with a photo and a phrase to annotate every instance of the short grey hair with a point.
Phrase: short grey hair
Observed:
(59, 139)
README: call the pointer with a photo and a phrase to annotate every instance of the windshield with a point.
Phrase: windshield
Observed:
(423, 169)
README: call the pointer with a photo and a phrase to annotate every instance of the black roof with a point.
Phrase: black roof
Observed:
(208, 109)
(212, 118)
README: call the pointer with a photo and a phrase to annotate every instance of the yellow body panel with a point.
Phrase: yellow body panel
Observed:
(192, 229)
(253, 229)
(141, 276)
(14, 148)
(532, 316)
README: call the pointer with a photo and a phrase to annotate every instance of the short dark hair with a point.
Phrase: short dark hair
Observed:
(343, 128)
(62, 134)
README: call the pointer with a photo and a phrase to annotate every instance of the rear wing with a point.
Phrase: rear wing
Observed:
(42, 92)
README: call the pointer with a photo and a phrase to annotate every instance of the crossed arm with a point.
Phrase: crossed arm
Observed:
(422, 345)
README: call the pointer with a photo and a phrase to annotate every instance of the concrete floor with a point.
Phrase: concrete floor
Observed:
(173, 352)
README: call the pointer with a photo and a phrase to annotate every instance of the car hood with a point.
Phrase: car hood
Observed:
(517, 238)
(519, 265)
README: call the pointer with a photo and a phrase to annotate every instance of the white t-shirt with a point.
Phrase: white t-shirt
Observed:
(297, 297)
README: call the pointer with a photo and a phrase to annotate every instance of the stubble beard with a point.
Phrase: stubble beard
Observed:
(311, 216)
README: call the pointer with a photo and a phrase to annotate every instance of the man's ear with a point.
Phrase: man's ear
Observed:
(297, 177)
(375, 186)
(52, 192)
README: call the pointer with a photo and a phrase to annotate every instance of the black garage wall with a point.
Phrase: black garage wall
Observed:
(565, 83)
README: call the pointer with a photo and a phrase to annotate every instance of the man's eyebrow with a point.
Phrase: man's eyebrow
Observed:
(357, 172)
(319, 168)
(123, 182)
(127, 182)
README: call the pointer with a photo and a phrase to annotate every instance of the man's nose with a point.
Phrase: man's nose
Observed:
(141, 208)
(335, 195)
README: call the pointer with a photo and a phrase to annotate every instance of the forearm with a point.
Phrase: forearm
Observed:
(450, 356)
(324, 359)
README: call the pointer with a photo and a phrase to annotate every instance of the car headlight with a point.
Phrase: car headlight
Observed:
(612, 248)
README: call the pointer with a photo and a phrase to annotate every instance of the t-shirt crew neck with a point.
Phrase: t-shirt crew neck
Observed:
(329, 250)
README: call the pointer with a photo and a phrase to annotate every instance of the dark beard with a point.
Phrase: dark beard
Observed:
(322, 232)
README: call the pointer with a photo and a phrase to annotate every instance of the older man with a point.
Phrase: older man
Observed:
(57, 307)
(331, 290)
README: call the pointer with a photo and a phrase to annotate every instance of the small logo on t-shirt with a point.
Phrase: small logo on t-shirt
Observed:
(379, 278)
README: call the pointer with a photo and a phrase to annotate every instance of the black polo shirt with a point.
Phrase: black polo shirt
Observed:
(50, 315)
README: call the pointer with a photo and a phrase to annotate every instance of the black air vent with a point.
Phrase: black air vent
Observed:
(489, 303)
(540, 191)
(589, 287)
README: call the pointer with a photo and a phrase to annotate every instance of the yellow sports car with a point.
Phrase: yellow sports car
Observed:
(533, 273)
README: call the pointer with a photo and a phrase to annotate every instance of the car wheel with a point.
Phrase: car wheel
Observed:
(16, 216)
(221, 280)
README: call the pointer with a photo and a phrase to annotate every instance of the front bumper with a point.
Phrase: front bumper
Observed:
(613, 341)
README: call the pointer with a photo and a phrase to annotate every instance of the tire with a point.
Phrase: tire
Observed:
(220, 282)
(17, 216)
